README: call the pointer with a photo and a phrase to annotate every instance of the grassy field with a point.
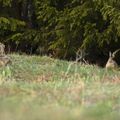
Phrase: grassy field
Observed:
(42, 88)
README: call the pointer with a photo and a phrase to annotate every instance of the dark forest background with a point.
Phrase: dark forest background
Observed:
(61, 28)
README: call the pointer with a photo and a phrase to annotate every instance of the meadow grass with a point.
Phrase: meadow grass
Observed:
(42, 88)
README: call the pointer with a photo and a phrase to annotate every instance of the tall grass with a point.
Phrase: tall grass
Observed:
(42, 88)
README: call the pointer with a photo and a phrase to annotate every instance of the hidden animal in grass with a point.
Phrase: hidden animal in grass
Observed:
(4, 59)
(111, 63)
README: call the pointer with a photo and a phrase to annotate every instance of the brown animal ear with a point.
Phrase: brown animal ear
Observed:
(115, 52)
(110, 55)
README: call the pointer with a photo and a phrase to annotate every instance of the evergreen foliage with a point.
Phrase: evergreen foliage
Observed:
(61, 26)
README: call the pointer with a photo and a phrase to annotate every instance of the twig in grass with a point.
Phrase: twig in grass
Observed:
(80, 54)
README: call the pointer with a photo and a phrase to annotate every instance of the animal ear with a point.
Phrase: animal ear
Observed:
(110, 54)
(115, 52)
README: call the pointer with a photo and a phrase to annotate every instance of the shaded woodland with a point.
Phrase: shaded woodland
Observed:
(61, 28)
